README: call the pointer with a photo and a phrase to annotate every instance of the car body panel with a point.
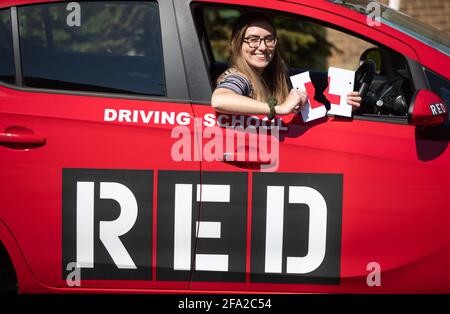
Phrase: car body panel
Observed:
(374, 212)
(405, 231)
(89, 143)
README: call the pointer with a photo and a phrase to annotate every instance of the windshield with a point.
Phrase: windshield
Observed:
(402, 22)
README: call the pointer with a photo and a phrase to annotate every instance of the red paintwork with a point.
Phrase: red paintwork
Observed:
(406, 230)
(397, 228)
(77, 137)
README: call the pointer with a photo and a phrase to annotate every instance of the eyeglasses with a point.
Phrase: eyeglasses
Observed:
(255, 41)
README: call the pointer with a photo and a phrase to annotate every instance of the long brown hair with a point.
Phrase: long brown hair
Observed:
(273, 81)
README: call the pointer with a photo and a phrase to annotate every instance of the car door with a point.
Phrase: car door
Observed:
(342, 201)
(86, 139)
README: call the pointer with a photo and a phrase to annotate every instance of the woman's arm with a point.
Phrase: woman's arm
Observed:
(227, 101)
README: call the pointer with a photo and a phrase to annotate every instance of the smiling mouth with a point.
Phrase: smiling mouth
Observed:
(264, 56)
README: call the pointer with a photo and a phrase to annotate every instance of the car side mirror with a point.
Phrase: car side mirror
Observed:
(427, 109)
(374, 55)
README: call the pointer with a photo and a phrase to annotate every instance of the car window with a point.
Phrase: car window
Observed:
(6, 48)
(309, 45)
(302, 43)
(403, 23)
(93, 46)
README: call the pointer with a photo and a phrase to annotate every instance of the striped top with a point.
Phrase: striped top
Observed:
(233, 80)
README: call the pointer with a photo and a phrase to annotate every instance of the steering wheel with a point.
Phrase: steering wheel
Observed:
(364, 76)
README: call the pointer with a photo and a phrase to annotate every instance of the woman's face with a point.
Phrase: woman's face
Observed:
(259, 57)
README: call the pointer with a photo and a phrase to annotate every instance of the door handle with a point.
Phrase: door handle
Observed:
(21, 138)
(234, 158)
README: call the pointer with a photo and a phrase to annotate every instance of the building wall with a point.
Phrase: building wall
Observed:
(433, 12)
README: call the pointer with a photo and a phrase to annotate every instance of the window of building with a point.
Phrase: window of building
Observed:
(93, 46)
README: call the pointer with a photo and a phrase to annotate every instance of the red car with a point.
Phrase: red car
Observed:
(112, 178)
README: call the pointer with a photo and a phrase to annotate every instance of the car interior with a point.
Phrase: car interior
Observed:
(390, 86)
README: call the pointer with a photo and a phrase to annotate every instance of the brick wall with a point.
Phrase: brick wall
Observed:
(433, 12)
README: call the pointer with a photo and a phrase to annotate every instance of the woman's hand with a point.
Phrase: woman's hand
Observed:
(297, 99)
(293, 103)
(354, 100)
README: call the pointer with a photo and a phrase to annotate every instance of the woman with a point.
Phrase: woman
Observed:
(257, 81)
